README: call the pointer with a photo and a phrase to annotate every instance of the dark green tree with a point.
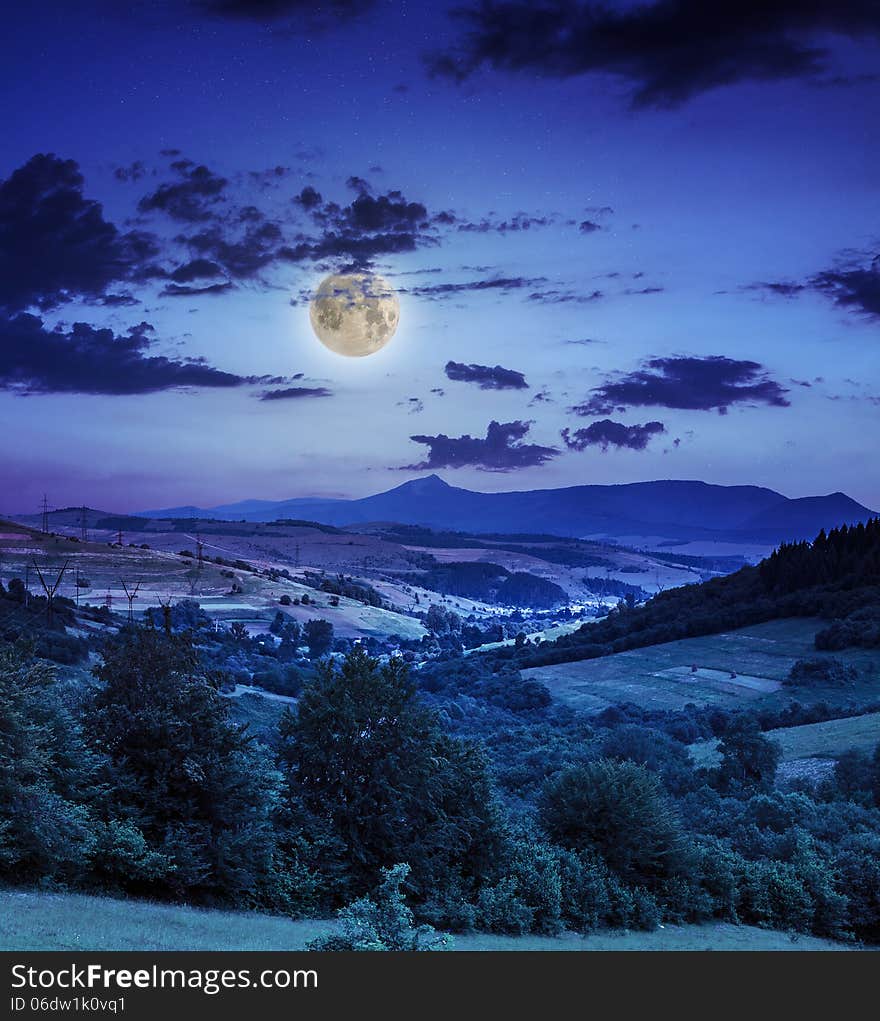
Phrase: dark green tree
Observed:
(620, 811)
(46, 772)
(319, 637)
(748, 759)
(368, 764)
(198, 788)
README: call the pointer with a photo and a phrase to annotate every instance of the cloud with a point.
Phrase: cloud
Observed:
(191, 198)
(666, 51)
(492, 284)
(133, 172)
(186, 290)
(853, 285)
(558, 296)
(856, 288)
(699, 384)
(487, 377)
(606, 433)
(308, 12)
(492, 225)
(414, 405)
(295, 393)
(85, 360)
(588, 227)
(369, 226)
(309, 198)
(242, 255)
(195, 269)
(55, 244)
(501, 450)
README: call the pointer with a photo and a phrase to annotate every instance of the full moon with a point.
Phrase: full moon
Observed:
(354, 314)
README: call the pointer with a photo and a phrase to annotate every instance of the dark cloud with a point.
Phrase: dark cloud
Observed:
(371, 225)
(493, 225)
(781, 288)
(414, 405)
(295, 393)
(667, 51)
(85, 360)
(133, 172)
(853, 285)
(710, 383)
(188, 290)
(195, 269)
(191, 198)
(118, 301)
(312, 14)
(856, 289)
(501, 450)
(309, 198)
(487, 377)
(55, 244)
(606, 433)
(558, 296)
(588, 227)
(492, 284)
(242, 255)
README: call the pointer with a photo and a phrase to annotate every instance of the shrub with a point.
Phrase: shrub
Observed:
(383, 923)
(808, 673)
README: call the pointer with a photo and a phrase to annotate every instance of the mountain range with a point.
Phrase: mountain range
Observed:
(672, 509)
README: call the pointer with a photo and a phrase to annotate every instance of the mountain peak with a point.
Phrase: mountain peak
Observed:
(430, 483)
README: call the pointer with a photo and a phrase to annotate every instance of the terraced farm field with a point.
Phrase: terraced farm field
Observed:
(729, 669)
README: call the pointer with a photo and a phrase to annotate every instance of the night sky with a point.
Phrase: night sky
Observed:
(630, 241)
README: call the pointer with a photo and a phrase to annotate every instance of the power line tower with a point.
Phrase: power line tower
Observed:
(45, 510)
(50, 590)
(130, 596)
(119, 537)
(84, 524)
(200, 550)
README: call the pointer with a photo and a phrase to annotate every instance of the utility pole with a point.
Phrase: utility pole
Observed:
(45, 510)
(130, 595)
(50, 590)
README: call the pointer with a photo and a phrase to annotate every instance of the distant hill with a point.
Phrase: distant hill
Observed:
(669, 509)
(836, 577)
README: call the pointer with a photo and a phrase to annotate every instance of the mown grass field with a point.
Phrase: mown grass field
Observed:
(825, 740)
(661, 677)
(52, 921)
